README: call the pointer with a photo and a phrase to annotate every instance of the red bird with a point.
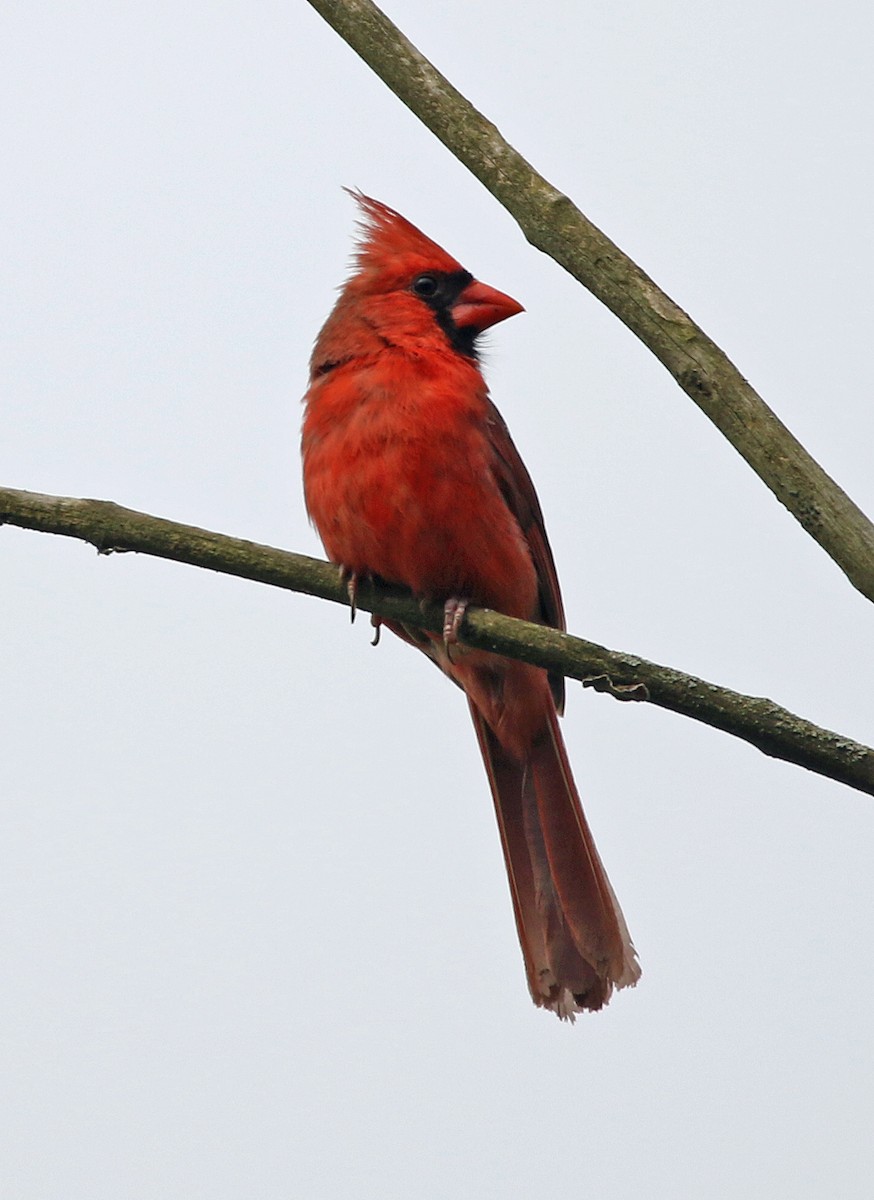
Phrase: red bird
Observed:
(411, 477)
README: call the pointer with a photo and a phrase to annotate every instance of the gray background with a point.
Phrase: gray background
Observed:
(256, 937)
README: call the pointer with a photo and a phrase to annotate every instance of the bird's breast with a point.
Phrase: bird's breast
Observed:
(399, 482)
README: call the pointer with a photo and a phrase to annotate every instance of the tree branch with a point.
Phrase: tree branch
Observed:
(552, 223)
(763, 724)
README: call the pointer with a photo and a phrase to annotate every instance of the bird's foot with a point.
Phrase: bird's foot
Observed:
(350, 578)
(453, 617)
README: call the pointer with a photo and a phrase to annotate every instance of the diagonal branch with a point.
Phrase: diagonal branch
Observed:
(763, 724)
(552, 223)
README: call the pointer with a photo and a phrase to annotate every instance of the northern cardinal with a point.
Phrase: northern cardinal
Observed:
(411, 477)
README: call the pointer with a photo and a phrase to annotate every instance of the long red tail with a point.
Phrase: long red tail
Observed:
(574, 939)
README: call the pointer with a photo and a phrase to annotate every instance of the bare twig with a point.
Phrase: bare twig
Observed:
(766, 725)
(552, 223)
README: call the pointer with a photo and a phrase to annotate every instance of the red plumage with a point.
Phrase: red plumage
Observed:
(410, 476)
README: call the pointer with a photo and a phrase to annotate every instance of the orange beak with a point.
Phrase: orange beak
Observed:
(480, 306)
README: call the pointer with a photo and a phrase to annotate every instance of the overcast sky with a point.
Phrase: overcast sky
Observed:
(255, 931)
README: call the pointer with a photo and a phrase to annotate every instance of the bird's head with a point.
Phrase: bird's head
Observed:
(395, 259)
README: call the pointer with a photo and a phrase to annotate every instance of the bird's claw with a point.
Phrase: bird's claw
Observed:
(350, 578)
(453, 617)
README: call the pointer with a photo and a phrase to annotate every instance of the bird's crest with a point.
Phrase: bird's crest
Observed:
(387, 240)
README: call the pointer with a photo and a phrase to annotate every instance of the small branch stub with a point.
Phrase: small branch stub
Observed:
(619, 691)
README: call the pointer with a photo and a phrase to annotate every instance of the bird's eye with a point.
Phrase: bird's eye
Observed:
(425, 286)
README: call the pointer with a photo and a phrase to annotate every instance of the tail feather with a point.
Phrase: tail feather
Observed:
(505, 780)
(574, 939)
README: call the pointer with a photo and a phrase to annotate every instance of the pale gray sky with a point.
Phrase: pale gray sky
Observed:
(256, 935)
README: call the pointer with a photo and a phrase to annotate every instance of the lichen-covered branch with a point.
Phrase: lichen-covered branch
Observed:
(552, 223)
(766, 725)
